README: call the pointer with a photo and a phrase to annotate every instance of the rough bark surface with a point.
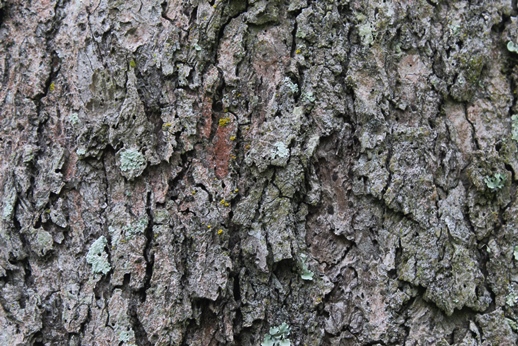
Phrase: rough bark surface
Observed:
(181, 172)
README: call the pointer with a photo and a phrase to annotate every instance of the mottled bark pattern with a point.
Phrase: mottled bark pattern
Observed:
(171, 170)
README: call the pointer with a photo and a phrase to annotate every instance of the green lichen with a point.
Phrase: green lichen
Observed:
(161, 216)
(514, 127)
(132, 163)
(126, 335)
(305, 274)
(512, 324)
(511, 298)
(365, 31)
(278, 336)
(136, 228)
(74, 118)
(43, 242)
(495, 182)
(512, 47)
(9, 203)
(292, 87)
(308, 97)
(81, 151)
(131, 159)
(133, 63)
(281, 150)
(97, 257)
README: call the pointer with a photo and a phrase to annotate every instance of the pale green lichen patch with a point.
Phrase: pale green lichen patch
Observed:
(495, 182)
(126, 335)
(9, 203)
(277, 336)
(281, 150)
(305, 274)
(74, 118)
(97, 257)
(161, 216)
(81, 151)
(365, 32)
(42, 242)
(514, 127)
(512, 324)
(308, 97)
(132, 163)
(135, 228)
(511, 298)
(291, 87)
(512, 47)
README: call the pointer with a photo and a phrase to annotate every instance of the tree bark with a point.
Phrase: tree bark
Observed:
(233, 172)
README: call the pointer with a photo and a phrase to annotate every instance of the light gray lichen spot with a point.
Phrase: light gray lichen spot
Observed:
(97, 257)
(281, 150)
(293, 88)
(512, 47)
(74, 118)
(81, 151)
(126, 336)
(365, 31)
(308, 97)
(514, 127)
(135, 228)
(132, 163)
(9, 203)
(42, 242)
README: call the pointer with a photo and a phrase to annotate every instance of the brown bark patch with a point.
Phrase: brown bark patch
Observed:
(70, 166)
(206, 112)
(223, 145)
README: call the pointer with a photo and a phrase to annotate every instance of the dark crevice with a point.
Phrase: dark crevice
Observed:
(85, 323)
(148, 253)
(205, 316)
(236, 290)
(221, 32)
(294, 35)
(173, 183)
(211, 198)
(431, 3)
(3, 14)
(103, 288)
(390, 146)
(141, 336)
(503, 23)
(52, 325)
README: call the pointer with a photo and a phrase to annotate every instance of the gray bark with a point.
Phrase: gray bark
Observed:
(202, 173)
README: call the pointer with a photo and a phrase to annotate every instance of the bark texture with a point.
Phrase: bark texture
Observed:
(184, 172)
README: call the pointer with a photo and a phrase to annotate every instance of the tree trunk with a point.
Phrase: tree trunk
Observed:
(272, 172)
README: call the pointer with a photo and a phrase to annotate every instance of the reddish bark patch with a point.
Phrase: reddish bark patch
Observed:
(206, 113)
(138, 198)
(220, 152)
(70, 166)
(159, 185)
(222, 149)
